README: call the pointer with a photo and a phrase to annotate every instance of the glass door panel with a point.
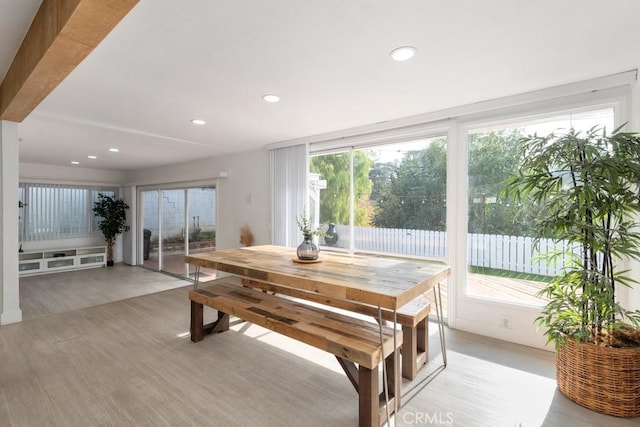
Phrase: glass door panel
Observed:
(330, 205)
(389, 199)
(405, 211)
(177, 222)
(406, 207)
(150, 230)
(173, 232)
(201, 226)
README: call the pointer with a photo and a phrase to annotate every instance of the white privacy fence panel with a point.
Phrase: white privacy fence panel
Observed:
(512, 253)
(394, 240)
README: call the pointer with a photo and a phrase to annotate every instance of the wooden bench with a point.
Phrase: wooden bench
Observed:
(351, 340)
(413, 317)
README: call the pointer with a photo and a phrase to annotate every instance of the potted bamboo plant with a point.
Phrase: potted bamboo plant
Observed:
(114, 220)
(585, 186)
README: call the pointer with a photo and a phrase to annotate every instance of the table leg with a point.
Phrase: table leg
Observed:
(393, 381)
(390, 370)
(196, 278)
(437, 296)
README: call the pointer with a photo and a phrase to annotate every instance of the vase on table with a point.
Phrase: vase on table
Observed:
(331, 235)
(307, 250)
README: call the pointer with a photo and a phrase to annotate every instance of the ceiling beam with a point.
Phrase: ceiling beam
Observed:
(61, 35)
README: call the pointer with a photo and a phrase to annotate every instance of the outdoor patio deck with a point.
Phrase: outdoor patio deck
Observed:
(511, 290)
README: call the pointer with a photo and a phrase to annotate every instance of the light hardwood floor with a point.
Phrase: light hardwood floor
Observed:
(131, 363)
(63, 292)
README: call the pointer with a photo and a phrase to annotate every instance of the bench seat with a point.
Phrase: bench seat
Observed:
(413, 317)
(353, 341)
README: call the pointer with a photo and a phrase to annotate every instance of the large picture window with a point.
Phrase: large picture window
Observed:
(503, 262)
(55, 211)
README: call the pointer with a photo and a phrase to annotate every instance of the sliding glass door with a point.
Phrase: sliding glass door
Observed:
(387, 198)
(175, 223)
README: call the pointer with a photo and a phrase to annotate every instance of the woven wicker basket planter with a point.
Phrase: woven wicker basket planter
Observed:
(605, 380)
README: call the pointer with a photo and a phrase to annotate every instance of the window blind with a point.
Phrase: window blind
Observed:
(289, 189)
(58, 211)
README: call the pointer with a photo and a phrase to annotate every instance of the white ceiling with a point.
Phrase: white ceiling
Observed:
(170, 61)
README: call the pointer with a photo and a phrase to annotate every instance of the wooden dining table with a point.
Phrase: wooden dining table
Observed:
(385, 282)
(388, 282)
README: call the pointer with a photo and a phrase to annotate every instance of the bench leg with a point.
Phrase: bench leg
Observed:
(368, 397)
(197, 322)
(423, 341)
(220, 325)
(371, 413)
(198, 329)
(409, 352)
(415, 348)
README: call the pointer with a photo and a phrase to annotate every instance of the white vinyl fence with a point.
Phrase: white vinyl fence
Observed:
(513, 253)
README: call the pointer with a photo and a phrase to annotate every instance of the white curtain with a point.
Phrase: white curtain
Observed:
(289, 189)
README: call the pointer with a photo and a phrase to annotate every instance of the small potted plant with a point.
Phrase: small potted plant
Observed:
(585, 186)
(307, 250)
(114, 220)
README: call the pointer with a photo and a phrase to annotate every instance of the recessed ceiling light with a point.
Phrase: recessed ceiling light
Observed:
(198, 122)
(114, 150)
(75, 163)
(92, 157)
(402, 53)
(271, 98)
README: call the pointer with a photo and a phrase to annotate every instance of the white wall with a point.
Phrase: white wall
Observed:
(630, 298)
(243, 195)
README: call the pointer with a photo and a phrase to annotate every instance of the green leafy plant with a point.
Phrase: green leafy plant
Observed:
(114, 220)
(305, 227)
(586, 188)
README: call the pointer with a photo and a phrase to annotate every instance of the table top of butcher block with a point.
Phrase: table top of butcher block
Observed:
(388, 282)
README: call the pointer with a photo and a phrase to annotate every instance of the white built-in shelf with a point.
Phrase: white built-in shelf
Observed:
(51, 261)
